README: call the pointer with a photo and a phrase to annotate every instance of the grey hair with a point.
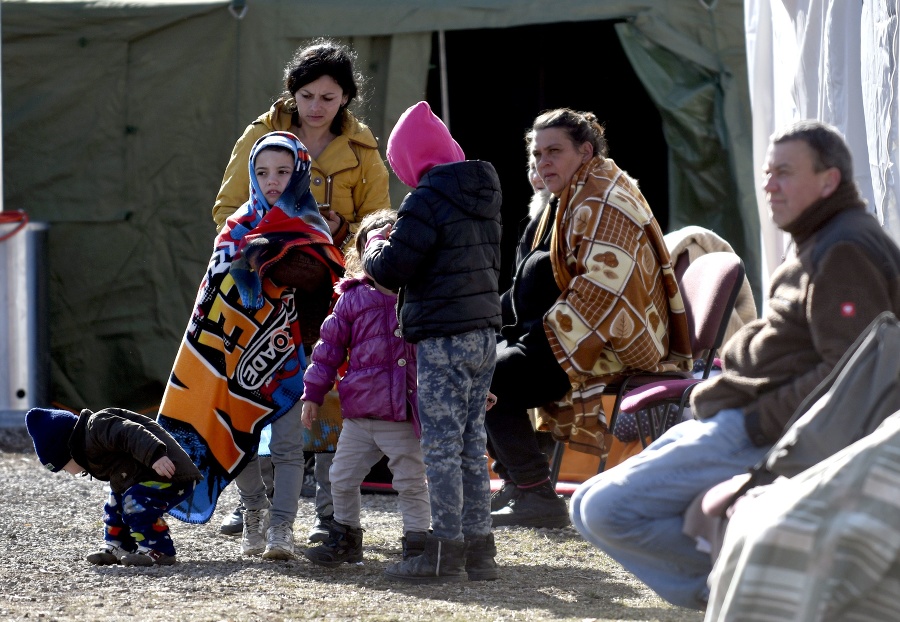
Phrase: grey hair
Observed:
(829, 148)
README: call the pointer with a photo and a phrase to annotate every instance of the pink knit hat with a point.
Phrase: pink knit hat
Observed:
(418, 142)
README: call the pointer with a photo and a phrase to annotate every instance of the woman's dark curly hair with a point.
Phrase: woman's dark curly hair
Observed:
(323, 57)
(582, 127)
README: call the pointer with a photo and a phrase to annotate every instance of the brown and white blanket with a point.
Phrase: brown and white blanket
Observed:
(620, 310)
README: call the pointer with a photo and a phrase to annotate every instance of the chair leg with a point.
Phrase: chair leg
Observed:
(684, 401)
(556, 462)
(639, 423)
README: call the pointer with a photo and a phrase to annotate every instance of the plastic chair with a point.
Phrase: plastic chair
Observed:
(710, 287)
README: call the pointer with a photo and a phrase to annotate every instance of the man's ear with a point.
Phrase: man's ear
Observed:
(832, 181)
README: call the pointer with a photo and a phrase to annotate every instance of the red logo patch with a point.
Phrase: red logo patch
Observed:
(848, 309)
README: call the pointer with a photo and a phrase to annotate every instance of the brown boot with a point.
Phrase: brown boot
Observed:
(480, 554)
(442, 561)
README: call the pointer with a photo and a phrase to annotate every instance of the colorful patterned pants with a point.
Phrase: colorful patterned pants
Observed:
(135, 517)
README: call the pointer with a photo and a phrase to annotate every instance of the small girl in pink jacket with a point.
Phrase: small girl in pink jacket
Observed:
(378, 399)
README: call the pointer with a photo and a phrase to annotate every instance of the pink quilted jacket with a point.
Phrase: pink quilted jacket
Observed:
(380, 380)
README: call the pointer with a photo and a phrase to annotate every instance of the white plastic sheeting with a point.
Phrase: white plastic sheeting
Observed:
(836, 61)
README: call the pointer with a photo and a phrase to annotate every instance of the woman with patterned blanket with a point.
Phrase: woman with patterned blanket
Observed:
(594, 296)
(240, 364)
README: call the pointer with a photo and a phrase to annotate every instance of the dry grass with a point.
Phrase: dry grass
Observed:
(48, 522)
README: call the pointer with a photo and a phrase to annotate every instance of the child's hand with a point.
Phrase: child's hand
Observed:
(308, 414)
(164, 466)
(333, 219)
(379, 234)
(491, 400)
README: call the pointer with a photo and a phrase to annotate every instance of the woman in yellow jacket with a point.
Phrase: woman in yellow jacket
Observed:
(348, 179)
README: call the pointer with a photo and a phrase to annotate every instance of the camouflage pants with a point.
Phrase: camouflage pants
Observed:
(454, 374)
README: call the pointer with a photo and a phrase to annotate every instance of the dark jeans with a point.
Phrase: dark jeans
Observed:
(525, 377)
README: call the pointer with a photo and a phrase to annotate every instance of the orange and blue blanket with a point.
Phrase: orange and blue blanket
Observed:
(237, 370)
(240, 364)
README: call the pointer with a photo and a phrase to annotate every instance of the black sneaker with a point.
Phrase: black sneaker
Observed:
(147, 557)
(538, 507)
(233, 524)
(501, 498)
(107, 555)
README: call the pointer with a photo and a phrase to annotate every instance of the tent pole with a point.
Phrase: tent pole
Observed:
(445, 97)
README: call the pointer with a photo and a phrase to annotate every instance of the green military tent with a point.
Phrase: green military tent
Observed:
(119, 117)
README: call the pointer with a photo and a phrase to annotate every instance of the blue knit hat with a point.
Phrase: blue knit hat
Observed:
(51, 430)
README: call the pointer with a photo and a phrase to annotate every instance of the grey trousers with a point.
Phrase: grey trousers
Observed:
(287, 462)
(322, 471)
(362, 444)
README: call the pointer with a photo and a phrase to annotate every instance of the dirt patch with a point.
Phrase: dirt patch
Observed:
(49, 522)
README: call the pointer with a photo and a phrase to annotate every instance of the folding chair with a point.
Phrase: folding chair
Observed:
(710, 287)
(619, 390)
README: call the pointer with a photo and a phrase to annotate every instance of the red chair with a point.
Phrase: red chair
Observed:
(728, 262)
(709, 287)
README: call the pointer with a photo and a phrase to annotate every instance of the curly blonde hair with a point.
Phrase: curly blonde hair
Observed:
(353, 257)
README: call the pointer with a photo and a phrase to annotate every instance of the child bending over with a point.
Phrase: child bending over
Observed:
(147, 470)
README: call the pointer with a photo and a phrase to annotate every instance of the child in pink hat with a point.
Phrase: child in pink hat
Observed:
(443, 256)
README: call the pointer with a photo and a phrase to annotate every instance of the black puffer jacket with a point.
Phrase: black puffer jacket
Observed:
(119, 446)
(443, 254)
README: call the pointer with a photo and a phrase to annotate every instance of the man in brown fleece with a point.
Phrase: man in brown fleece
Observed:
(843, 271)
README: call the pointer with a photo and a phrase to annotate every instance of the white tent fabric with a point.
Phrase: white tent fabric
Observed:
(835, 61)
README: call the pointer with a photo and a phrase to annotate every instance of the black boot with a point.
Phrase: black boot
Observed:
(442, 561)
(539, 507)
(344, 545)
(480, 554)
(321, 529)
(501, 498)
(413, 543)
